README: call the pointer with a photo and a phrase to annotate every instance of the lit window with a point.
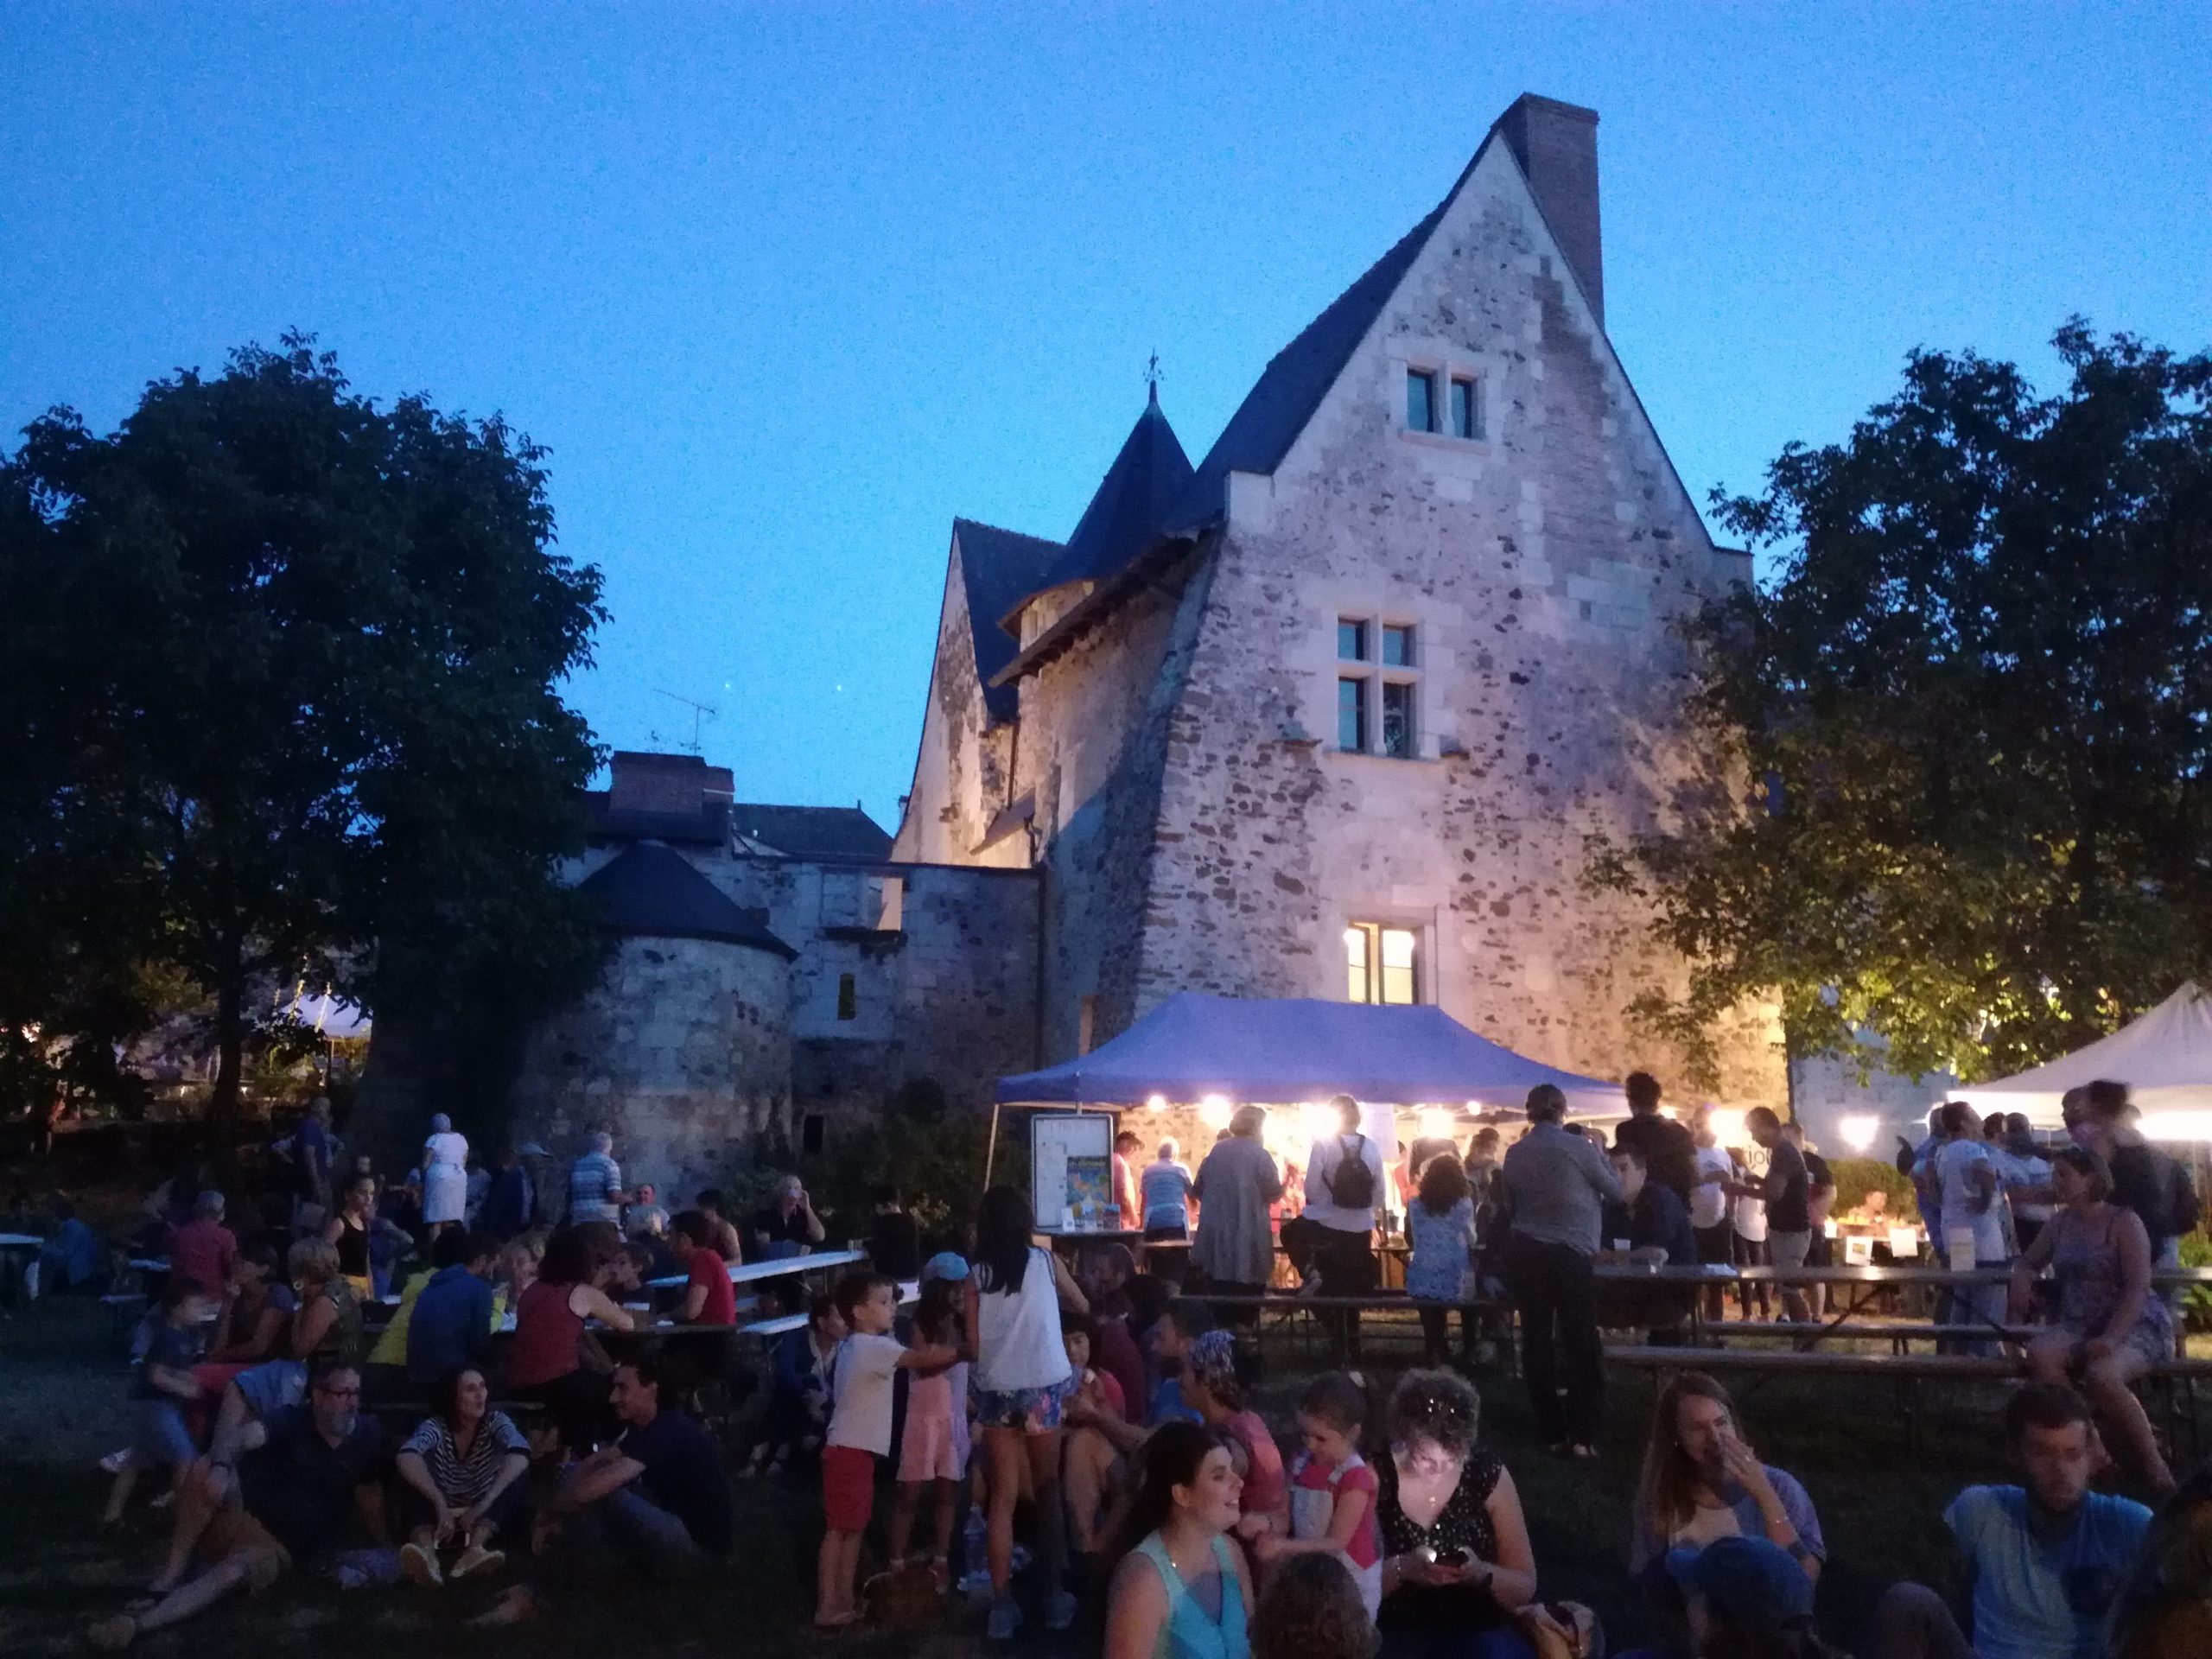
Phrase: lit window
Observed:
(1398, 720)
(1397, 646)
(1382, 963)
(1352, 641)
(1420, 401)
(1351, 715)
(1466, 412)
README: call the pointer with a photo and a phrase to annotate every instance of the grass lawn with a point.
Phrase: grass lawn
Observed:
(62, 1390)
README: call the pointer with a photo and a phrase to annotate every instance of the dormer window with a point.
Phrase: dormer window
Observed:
(1420, 400)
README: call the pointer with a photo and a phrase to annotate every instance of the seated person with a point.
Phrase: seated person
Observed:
(1702, 1482)
(1211, 1388)
(657, 1499)
(166, 1385)
(709, 1296)
(451, 1325)
(798, 1401)
(1656, 1223)
(1104, 1274)
(325, 1325)
(258, 1309)
(388, 1353)
(285, 1503)
(1091, 1456)
(645, 1217)
(2045, 1559)
(72, 1258)
(463, 1467)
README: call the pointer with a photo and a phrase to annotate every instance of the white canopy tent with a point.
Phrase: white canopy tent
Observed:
(2164, 1059)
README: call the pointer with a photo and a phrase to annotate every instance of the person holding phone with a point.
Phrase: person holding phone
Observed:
(1457, 1563)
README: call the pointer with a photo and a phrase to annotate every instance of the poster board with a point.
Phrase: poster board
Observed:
(1071, 1170)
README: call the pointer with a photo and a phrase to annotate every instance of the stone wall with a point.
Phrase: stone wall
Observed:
(1544, 569)
(684, 1051)
(962, 775)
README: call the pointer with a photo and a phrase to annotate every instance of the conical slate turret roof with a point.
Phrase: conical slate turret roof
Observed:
(1148, 479)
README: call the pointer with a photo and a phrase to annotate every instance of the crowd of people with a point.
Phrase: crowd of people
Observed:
(1095, 1417)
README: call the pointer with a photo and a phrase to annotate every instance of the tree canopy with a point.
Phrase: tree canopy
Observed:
(281, 702)
(1974, 711)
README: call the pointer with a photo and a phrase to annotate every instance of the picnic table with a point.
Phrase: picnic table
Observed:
(742, 1273)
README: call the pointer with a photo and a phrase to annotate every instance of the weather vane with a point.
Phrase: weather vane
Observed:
(1152, 374)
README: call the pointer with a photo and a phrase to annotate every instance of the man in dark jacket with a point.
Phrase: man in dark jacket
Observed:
(1654, 1226)
(1669, 1154)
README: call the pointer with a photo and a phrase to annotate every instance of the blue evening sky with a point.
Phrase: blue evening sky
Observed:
(786, 288)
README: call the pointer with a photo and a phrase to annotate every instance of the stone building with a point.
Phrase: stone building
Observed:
(1338, 711)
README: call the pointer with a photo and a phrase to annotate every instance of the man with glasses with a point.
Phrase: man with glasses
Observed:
(300, 1471)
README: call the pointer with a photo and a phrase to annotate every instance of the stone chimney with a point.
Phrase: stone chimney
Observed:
(676, 784)
(1556, 144)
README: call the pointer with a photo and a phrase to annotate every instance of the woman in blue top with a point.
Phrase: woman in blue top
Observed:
(1181, 1592)
(1440, 1227)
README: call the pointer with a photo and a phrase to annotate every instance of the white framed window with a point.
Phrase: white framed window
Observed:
(1378, 686)
(1381, 962)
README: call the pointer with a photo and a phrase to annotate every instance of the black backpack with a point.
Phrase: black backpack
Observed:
(1351, 1183)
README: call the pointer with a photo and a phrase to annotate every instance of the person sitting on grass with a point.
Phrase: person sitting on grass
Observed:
(285, 1503)
(159, 1438)
(1310, 1609)
(1211, 1388)
(464, 1466)
(2045, 1559)
(1331, 1498)
(798, 1398)
(326, 1325)
(258, 1309)
(1747, 1600)
(1702, 1482)
(655, 1504)
(1182, 1588)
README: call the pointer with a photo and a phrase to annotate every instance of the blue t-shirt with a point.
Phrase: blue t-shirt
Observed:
(451, 1325)
(2035, 1602)
(180, 1351)
(311, 1136)
(1166, 1405)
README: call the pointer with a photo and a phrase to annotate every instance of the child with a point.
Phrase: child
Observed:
(860, 1431)
(1332, 1490)
(935, 1449)
(166, 1385)
(799, 1406)
(1311, 1609)
(1087, 1468)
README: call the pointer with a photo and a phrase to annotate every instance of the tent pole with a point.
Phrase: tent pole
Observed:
(991, 1150)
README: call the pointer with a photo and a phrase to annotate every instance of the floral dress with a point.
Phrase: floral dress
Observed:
(2091, 1280)
(1437, 1271)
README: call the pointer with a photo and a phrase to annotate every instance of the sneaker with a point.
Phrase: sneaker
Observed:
(976, 1584)
(1005, 1619)
(1060, 1609)
(420, 1565)
(1021, 1559)
(477, 1559)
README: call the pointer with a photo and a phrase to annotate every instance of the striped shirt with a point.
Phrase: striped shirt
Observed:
(464, 1480)
(593, 1176)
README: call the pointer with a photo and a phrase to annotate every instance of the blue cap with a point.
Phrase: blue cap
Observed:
(1744, 1579)
(945, 1264)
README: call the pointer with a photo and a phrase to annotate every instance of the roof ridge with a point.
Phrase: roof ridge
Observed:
(1000, 530)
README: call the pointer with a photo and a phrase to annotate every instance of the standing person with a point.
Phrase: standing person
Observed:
(1021, 1382)
(1702, 1482)
(1820, 1204)
(2112, 1327)
(1182, 1592)
(1670, 1152)
(1457, 1564)
(1343, 1183)
(463, 1467)
(1126, 1148)
(860, 1433)
(1164, 1188)
(510, 1203)
(933, 1449)
(1784, 1193)
(595, 1183)
(445, 1176)
(1709, 1207)
(1440, 1227)
(894, 1242)
(348, 1233)
(2144, 1179)
(1332, 1488)
(204, 1249)
(1967, 1181)
(2025, 1174)
(312, 1149)
(1235, 1250)
(1747, 1215)
(1558, 1184)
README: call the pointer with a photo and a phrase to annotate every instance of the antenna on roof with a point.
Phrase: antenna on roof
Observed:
(1152, 377)
(701, 712)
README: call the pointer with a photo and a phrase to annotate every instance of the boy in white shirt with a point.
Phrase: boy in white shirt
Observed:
(860, 1431)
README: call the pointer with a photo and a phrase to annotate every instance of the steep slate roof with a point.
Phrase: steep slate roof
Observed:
(650, 889)
(813, 832)
(1000, 568)
(1259, 434)
(1131, 505)
(709, 827)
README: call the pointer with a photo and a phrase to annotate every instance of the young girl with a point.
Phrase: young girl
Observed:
(935, 1449)
(1331, 1487)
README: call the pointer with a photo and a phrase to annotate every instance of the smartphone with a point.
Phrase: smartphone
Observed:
(1454, 1558)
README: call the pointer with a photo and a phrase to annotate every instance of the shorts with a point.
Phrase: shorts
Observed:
(1789, 1248)
(235, 1536)
(159, 1439)
(848, 1487)
(273, 1387)
(1034, 1411)
(1822, 1255)
(933, 1448)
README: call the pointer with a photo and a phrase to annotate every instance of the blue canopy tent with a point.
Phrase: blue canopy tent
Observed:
(1290, 1050)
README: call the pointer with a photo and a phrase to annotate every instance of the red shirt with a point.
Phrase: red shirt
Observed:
(1113, 1353)
(709, 1270)
(203, 1250)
